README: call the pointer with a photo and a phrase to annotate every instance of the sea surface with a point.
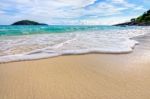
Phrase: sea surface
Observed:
(34, 42)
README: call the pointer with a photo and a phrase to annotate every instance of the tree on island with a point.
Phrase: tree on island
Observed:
(27, 22)
(143, 20)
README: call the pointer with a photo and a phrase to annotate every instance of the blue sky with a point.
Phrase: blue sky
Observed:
(82, 12)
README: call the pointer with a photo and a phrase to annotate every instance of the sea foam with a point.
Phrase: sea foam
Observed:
(37, 46)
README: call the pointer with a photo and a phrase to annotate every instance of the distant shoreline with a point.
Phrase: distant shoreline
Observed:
(143, 20)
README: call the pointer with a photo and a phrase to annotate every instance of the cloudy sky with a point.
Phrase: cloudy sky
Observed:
(83, 12)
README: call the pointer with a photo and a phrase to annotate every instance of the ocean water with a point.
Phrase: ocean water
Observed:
(35, 42)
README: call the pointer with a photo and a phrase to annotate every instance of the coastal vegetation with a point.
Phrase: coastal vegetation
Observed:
(143, 20)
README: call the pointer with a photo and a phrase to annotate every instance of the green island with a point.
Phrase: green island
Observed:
(143, 20)
(27, 22)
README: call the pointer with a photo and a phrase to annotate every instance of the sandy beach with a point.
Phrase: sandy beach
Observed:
(90, 76)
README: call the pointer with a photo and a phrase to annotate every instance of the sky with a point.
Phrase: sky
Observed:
(72, 12)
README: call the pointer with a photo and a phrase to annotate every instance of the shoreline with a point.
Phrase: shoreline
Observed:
(78, 53)
(89, 76)
(47, 46)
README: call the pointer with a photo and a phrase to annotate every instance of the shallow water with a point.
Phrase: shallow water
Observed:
(34, 42)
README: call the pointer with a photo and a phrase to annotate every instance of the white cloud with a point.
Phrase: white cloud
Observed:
(118, 1)
(77, 3)
(64, 11)
(105, 9)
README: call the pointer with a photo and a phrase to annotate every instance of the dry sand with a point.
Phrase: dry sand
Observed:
(91, 76)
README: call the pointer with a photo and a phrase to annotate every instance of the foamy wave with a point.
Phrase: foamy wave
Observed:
(48, 54)
(29, 47)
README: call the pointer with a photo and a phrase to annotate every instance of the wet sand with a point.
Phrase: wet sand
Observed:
(90, 76)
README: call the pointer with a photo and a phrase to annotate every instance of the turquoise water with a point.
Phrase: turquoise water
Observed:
(26, 30)
(35, 42)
